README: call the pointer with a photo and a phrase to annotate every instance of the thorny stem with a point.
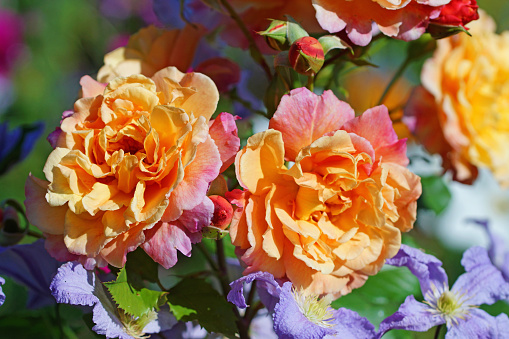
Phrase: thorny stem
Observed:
(253, 48)
(394, 79)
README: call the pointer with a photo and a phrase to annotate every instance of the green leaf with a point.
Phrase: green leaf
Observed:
(382, 294)
(204, 304)
(330, 42)
(435, 194)
(294, 30)
(442, 31)
(140, 263)
(180, 311)
(212, 232)
(130, 296)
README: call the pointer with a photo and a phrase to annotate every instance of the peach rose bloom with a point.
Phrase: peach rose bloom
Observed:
(463, 110)
(150, 50)
(330, 220)
(402, 19)
(132, 166)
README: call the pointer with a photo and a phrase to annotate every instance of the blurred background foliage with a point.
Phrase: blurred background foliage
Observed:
(64, 40)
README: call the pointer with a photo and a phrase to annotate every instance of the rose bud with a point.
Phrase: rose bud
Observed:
(11, 231)
(306, 55)
(276, 35)
(223, 212)
(224, 72)
(458, 13)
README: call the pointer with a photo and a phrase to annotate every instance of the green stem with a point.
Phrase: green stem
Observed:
(223, 278)
(253, 48)
(394, 79)
(59, 320)
(437, 332)
(311, 82)
(207, 256)
(35, 234)
(235, 97)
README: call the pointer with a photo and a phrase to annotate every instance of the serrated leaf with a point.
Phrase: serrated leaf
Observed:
(132, 298)
(435, 194)
(211, 310)
(179, 311)
(330, 42)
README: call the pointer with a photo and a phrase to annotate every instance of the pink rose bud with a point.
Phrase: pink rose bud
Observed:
(306, 55)
(223, 212)
(276, 35)
(458, 13)
(224, 72)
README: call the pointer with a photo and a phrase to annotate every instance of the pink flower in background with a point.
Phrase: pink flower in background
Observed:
(402, 19)
(11, 39)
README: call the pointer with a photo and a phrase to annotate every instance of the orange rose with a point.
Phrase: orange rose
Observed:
(150, 50)
(330, 220)
(132, 164)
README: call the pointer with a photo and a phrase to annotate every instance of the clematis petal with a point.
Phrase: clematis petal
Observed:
(236, 294)
(350, 325)
(479, 325)
(412, 316)
(425, 267)
(482, 283)
(302, 117)
(2, 294)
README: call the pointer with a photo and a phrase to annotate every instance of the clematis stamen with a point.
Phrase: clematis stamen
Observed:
(316, 309)
(449, 304)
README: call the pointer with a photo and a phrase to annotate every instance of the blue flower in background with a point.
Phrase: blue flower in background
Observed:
(2, 295)
(456, 307)
(299, 315)
(16, 144)
(32, 266)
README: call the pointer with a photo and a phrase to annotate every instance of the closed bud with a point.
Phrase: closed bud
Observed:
(11, 231)
(223, 212)
(458, 13)
(276, 35)
(306, 55)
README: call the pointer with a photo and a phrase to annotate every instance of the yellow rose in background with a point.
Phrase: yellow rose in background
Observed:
(465, 102)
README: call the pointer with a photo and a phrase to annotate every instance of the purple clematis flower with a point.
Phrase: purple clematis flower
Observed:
(497, 251)
(74, 285)
(456, 307)
(32, 266)
(2, 295)
(298, 315)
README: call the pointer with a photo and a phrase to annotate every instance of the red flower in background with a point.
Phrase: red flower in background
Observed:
(458, 13)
